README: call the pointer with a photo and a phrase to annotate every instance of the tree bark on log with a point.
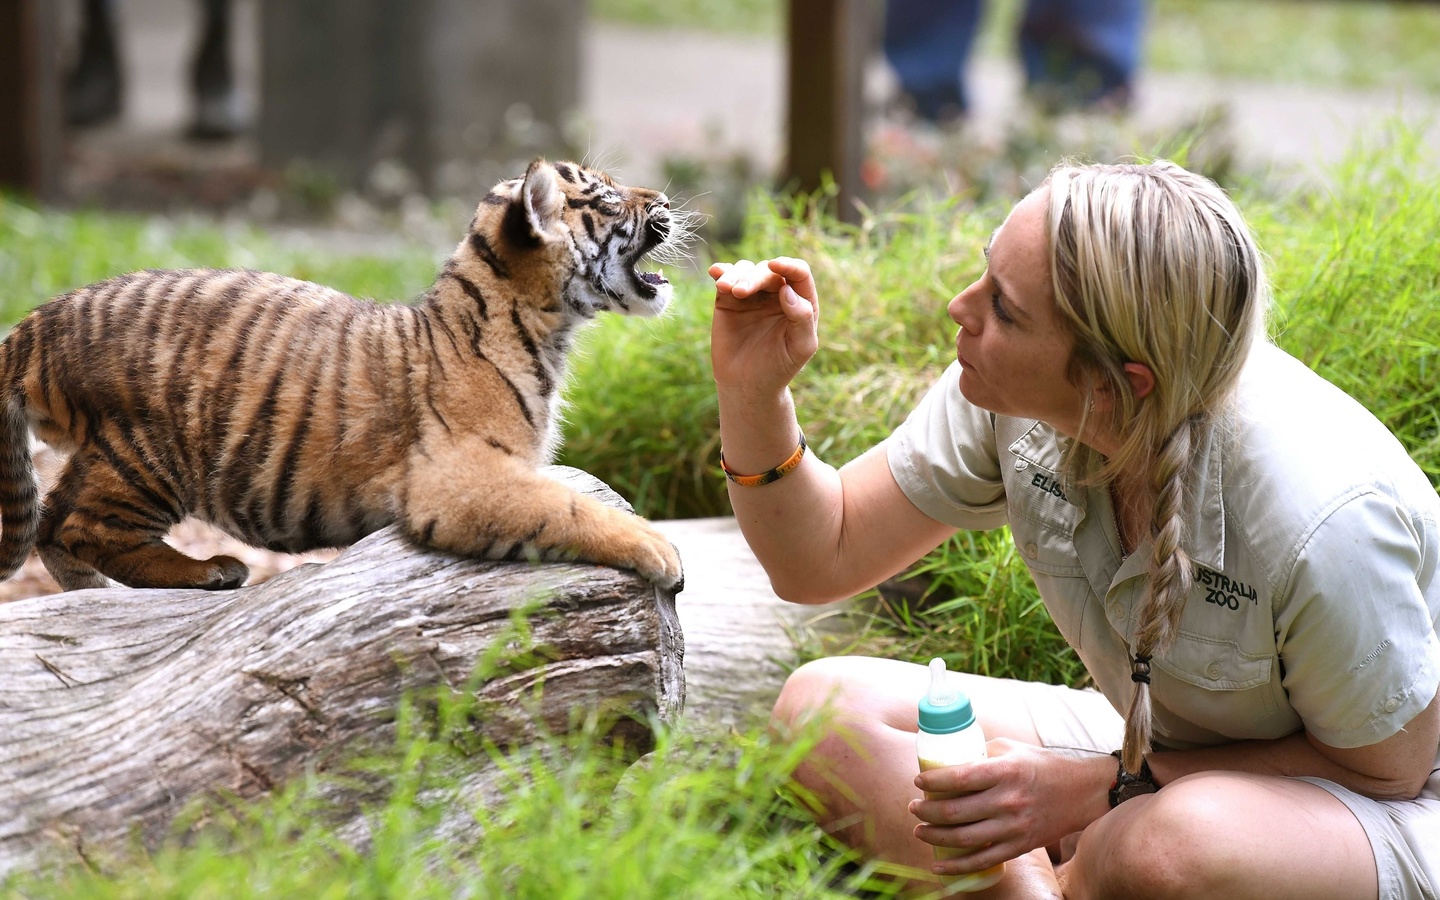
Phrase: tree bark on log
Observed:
(117, 707)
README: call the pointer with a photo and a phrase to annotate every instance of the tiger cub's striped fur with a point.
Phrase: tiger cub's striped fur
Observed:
(294, 417)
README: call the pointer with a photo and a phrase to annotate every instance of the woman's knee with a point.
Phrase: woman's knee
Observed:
(816, 685)
(1163, 846)
(852, 692)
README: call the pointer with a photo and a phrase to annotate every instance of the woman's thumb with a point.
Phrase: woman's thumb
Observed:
(796, 306)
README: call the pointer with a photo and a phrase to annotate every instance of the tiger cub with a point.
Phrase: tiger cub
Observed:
(295, 417)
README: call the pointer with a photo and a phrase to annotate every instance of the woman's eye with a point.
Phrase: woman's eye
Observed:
(999, 309)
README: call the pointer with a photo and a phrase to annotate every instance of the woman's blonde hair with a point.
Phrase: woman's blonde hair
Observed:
(1154, 264)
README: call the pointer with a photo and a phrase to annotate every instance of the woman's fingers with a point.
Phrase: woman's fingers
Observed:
(796, 273)
(744, 278)
(795, 306)
(962, 778)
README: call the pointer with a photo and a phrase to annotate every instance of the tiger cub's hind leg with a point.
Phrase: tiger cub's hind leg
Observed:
(98, 526)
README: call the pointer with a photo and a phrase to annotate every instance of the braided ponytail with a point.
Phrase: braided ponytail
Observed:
(1171, 576)
(1154, 265)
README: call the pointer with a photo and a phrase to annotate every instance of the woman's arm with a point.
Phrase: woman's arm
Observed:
(821, 534)
(1393, 769)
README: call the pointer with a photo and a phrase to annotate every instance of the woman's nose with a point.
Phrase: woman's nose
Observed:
(962, 309)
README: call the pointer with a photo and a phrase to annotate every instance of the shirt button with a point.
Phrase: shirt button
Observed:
(1213, 671)
(1392, 704)
(1031, 550)
(1114, 609)
(1021, 465)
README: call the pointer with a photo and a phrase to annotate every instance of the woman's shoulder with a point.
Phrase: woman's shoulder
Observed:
(1285, 413)
(1294, 446)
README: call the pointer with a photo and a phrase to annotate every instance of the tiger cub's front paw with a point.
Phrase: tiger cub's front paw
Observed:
(651, 554)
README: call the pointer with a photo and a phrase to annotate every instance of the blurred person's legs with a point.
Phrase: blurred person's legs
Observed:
(216, 111)
(1081, 53)
(926, 43)
(92, 88)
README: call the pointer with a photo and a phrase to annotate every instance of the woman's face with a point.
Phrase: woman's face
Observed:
(1012, 346)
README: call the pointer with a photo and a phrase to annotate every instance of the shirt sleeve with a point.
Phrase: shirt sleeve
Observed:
(1357, 636)
(945, 460)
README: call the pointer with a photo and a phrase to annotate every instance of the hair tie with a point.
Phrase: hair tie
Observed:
(1140, 669)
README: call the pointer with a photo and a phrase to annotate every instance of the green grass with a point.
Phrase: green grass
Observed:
(764, 17)
(46, 253)
(1357, 297)
(1318, 42)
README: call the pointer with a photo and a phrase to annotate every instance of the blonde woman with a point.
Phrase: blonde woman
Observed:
(1242, 556)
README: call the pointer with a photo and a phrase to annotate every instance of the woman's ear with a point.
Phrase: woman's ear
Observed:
(1142, 380)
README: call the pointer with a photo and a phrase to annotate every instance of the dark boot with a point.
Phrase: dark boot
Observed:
(216, 107)
(93, 87)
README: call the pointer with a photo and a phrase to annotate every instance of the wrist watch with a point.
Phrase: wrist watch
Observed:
(1126, 785)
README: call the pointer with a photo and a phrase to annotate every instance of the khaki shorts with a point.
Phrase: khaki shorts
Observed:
(1404, 834)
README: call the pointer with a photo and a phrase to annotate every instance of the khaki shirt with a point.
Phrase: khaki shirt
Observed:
(1315, 601)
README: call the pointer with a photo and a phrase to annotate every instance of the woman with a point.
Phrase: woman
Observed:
(1242, 556)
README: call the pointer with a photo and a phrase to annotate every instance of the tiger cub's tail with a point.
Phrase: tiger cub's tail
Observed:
(19, 494)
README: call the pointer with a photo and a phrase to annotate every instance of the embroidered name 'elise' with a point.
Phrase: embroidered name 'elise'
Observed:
(1048, 485)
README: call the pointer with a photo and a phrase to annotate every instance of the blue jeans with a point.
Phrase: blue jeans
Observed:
(1075, 52)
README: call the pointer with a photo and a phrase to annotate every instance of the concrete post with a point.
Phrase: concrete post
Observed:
(829, 42)
(457, 91)
(30, 113)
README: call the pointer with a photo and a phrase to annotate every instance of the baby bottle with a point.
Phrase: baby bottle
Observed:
(948, 736)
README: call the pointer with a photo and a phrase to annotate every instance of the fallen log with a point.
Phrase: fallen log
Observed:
(118, 707)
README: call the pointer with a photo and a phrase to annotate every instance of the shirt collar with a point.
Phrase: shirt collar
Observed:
(1040, 445)
(1207, 499)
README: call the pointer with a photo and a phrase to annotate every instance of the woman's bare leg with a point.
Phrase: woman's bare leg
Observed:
(1225, 834)
(1214, 834)
(863, 771)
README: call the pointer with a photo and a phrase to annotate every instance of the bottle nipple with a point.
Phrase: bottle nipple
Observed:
(940, 692)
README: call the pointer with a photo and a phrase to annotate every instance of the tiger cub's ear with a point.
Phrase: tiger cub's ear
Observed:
(544, 201)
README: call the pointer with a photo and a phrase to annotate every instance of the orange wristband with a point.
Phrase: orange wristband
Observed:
(774, 474)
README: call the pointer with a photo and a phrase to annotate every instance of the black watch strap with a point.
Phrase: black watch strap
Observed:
(1127, 785)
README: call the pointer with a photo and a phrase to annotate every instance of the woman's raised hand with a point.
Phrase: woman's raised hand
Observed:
(765, 326)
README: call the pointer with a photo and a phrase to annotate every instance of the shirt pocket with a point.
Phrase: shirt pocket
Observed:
(1215, 664)
(1212, 683)
(1047, 545)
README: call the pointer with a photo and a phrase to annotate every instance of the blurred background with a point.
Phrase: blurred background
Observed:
(382, 115)
(347, 142)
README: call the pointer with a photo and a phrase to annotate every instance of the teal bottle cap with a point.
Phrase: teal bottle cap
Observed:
(944, 709)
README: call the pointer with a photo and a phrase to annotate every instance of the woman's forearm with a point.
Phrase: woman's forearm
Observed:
(790, 524)
(806, 529)
(1396, 773)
